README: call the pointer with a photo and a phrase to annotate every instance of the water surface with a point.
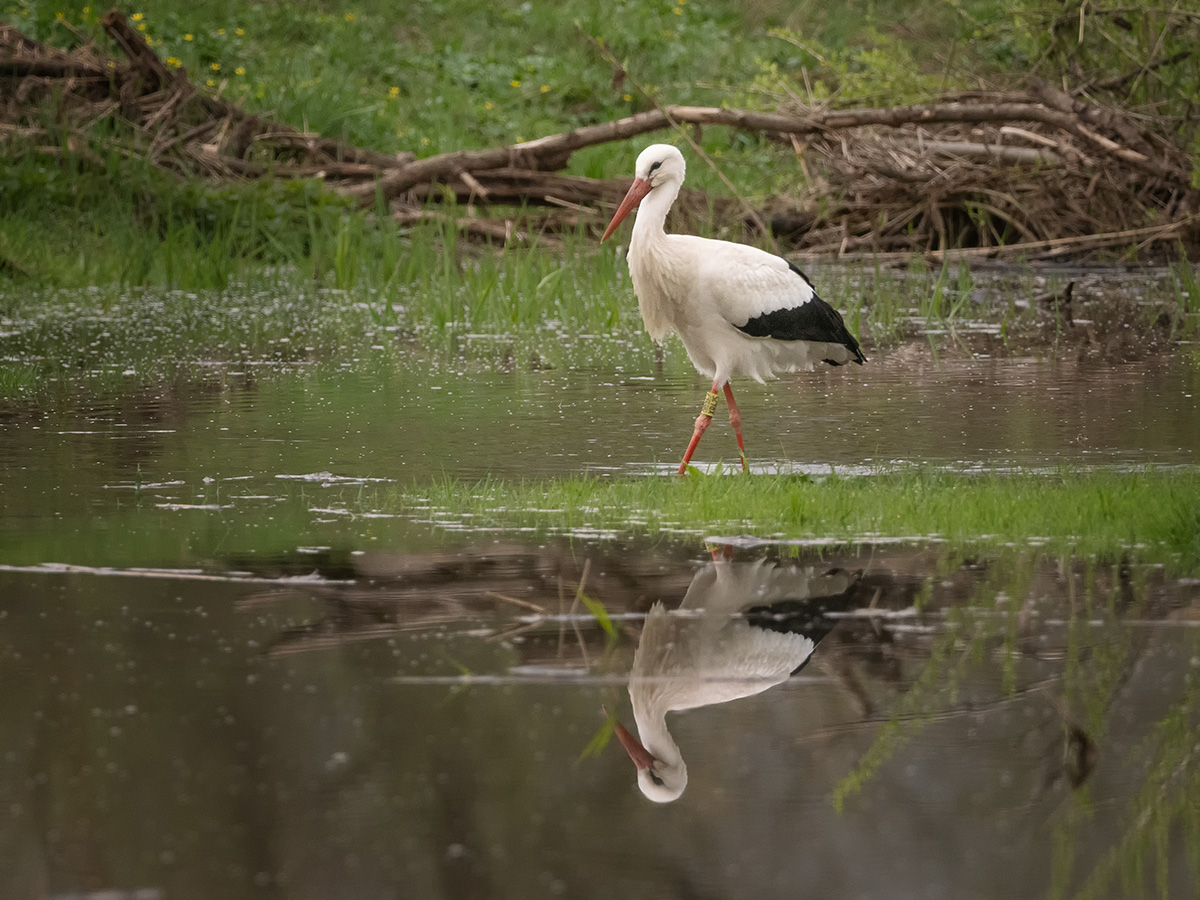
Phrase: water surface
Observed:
(186, 461)
(231, 672)
(418, 724)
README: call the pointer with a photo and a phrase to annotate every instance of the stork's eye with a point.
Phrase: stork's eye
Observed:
(658, 781)
(655, 166)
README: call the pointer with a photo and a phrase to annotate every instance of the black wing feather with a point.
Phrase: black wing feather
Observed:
(814, 321)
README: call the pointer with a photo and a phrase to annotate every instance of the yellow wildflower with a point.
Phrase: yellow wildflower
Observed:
(240, 70)
(627, 97)
(137, 17)
(677, 11)
(211, 83)
(488, 104)
(349, 17)
(516, 82)
(216, 67)
(189, 37)
(220, 31)
(173, 62)
(545, 88)
(240, 31)
(393, 91)
(141, 26)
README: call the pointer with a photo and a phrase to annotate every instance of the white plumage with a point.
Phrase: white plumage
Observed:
(738, 310)
(707, 652)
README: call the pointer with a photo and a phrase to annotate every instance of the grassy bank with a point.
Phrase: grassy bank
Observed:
(1156, 514)
(427, 78)
(1149, 517)
(433, 77)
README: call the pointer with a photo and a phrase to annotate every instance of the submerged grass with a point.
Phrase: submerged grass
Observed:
(1154, 513)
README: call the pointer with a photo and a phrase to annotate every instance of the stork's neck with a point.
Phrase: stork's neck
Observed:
(648, 227)
(652, 732)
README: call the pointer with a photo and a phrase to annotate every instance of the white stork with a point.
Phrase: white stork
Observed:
(741, 628)
(738, 310)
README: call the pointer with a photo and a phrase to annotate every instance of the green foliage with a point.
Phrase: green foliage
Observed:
(1090, 513)
(600, 614)
(80, 220)
(599, 740)
(432, 76)
(930, 692)
(1141, 55)
(1165, 808)
(880, 69)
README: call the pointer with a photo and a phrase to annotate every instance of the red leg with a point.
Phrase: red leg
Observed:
(735, 419)
(702, 422)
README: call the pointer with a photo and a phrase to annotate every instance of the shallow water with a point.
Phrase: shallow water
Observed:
(402, 420)
(418, 724)
(290, 451)
(221, 682)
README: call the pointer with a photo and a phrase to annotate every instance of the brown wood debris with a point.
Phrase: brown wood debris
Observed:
(1033, 174)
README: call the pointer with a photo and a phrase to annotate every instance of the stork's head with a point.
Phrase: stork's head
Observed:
(658, 164)
(660, 780)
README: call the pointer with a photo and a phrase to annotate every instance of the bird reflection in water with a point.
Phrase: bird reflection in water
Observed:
(742, 628)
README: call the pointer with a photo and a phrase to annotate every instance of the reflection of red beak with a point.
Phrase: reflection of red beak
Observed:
(639, 189)
(640, 755)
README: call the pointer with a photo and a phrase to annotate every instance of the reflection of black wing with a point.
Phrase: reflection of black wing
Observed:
(805, 617)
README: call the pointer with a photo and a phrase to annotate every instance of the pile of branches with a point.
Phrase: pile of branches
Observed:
(161, 116)
(1036, 174)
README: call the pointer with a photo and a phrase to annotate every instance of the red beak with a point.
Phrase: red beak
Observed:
(639, 189)
(640, 755)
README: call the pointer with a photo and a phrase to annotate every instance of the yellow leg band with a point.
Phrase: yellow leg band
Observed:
(710, 405)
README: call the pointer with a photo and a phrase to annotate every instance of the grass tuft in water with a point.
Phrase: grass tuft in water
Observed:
(1099, 513)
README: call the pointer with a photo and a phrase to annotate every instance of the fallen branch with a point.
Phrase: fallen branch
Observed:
(992, 152)
(134, 46)
(50, 68)
(501, 232)
(1045, 249)
(549, 152)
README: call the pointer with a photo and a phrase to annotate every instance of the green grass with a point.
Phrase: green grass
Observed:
(1149, 517)
(429, 77)
(1156, 514)
(435, 76)
(1186, 320)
